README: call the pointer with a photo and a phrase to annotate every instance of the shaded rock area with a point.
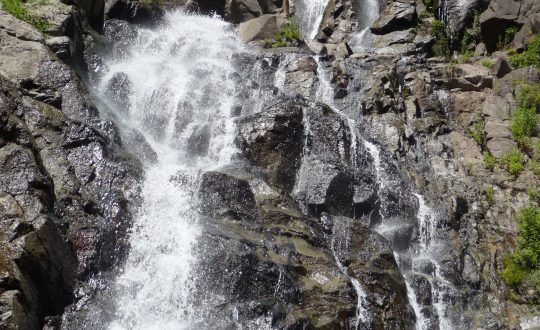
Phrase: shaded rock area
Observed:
(68, 188)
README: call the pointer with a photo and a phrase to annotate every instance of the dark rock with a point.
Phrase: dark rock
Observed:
(500, 68)
(94, 10)
(227, 195)
(500, 15)
(273, 141)
(136, 12)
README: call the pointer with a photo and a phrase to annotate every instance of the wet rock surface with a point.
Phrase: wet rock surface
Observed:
(68, 189)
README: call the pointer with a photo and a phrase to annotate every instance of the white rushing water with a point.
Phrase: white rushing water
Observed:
(310, 14)
(181, 98)
(368, 13)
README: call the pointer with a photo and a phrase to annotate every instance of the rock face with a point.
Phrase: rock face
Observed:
(68, 190)
(499, 16)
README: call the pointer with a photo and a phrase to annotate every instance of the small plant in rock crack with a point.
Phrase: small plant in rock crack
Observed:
(507, 37)
(490, 195)
(514, 162)
(289, 35)
(489, 160)
(477, 130)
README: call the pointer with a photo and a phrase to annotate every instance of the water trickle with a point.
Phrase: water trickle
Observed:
(181, 100)
(310, 14)
(340, 242)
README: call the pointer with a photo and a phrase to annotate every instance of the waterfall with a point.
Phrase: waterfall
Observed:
(368, 12)
(180, 97)
(310, 15)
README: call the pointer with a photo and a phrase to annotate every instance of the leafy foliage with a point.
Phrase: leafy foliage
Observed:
(530, 57)
(17, 9)
(524, 121)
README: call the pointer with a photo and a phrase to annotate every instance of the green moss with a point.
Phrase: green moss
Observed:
(530, 57)
(514, 162)
(18, 10)
(489, 160)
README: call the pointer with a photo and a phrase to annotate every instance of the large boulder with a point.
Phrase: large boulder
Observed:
(260, 28)
(397, 15)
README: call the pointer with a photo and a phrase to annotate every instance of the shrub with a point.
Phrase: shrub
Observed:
(524, 263)
(16, 8)
(514, 162)
(512, 274)
(490, 195)
(530, 57)
(489, 160)
(467, 56)
(528, 254)
(529, 96)
(535, 167)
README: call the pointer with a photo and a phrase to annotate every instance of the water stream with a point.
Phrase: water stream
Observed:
(180, 99)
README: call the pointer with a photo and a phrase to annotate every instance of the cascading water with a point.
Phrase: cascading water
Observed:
(310, 14)
(181, 96)
(369, 11)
